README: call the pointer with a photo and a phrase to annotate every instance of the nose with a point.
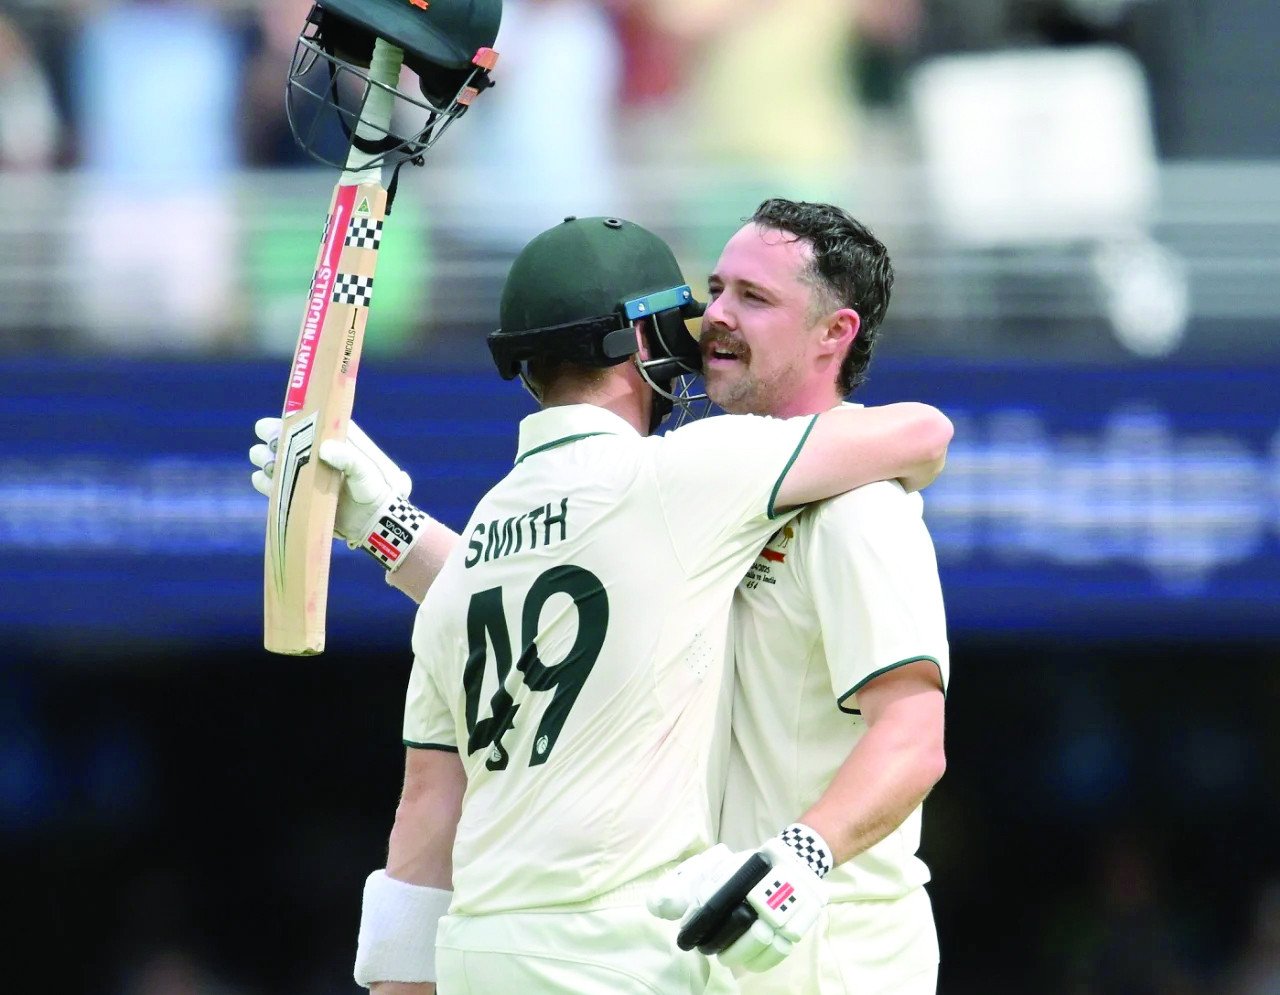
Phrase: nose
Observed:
(716, 314)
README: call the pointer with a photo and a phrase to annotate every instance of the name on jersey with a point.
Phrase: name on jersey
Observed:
(504, 537)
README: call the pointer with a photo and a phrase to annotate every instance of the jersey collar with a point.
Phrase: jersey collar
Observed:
(565, 423)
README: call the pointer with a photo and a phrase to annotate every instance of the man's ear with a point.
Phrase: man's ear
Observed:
(841, 331)
(642, 339)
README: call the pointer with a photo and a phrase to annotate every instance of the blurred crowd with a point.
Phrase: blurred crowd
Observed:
(73, 72)
(195, 86)
(681, 113)
(77, 83)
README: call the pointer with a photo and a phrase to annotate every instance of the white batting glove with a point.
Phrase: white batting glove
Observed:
(373, 511)
(787, 902)
(679, 893)
(749, 909)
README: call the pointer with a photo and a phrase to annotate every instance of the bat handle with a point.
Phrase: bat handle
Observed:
(375, 117)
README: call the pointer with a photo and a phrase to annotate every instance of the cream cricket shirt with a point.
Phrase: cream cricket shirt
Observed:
(573, 650)
(841, 594)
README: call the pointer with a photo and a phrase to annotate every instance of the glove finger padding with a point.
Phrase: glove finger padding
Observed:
(722, 916)
(733, 924)
(267, 429)
(263, 458)
(363, 480)
(401, 483)
(675, 895)
(759, 949)
(788, 901)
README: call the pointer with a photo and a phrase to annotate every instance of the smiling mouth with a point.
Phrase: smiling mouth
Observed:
(722, 352)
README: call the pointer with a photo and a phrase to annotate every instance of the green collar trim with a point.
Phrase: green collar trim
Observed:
(556, 443)
(773, 513)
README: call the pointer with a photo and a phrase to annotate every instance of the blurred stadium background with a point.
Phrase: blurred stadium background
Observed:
(1082, 198)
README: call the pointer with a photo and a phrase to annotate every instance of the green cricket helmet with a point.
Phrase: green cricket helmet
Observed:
(447, 43)
(577, 293)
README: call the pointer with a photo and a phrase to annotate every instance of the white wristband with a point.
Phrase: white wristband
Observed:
(810, 847)
(398, 930)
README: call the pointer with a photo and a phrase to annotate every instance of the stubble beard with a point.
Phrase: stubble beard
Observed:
(745, 395)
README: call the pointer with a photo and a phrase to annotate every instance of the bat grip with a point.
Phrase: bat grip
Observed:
(375, 117)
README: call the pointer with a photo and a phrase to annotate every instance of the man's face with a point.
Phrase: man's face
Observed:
(757, 333)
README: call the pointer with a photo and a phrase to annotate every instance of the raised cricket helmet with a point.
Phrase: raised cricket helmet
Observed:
(578, 291)
(447, 43)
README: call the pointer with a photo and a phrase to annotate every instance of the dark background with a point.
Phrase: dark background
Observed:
(1106, 824)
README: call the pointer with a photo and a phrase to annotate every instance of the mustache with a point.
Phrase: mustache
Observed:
(713, 338)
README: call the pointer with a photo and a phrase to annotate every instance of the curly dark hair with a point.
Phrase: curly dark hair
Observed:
(850, 268)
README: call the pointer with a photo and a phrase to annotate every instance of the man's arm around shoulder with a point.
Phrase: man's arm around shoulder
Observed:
(849, 447)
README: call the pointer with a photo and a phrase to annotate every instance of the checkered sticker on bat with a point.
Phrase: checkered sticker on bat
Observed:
(348, 289)
(363, 233)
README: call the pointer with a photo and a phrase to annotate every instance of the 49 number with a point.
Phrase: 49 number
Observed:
(485, 618)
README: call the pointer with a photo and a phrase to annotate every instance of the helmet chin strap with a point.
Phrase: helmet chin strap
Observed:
(667, 376)
(528, 384)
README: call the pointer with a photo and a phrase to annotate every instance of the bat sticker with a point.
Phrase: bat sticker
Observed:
(318, 301)
(350, 289)
(293, 452)
(364, 234)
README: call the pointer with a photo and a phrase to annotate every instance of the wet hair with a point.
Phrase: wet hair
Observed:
(850, 269)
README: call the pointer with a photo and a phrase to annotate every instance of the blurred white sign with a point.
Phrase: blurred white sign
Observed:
(1035, 146)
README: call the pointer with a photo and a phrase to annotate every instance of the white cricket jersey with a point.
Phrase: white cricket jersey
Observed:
(573, 650)
(842, 593)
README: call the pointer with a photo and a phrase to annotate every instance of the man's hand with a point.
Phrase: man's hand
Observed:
(747, 909)
(679, 893)
(373, 511)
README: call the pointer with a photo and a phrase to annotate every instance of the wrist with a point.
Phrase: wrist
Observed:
(809, 847)
(392, 532)
(398, 923)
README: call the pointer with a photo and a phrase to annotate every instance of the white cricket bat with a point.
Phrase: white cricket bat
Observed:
(321, 389)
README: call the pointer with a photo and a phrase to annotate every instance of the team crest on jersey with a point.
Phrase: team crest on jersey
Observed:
(776, 549)
(773, 554)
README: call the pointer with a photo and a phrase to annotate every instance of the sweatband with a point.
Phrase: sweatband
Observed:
(398, 924)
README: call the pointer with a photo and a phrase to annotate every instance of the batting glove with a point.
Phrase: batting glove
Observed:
(678, 894)
(749, 912)
(374, 513)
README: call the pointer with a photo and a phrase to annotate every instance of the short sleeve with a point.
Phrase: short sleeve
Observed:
(873, 578)
(428, 722)
(720, 476)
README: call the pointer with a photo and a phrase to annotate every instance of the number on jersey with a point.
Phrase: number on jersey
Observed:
(487, 624)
